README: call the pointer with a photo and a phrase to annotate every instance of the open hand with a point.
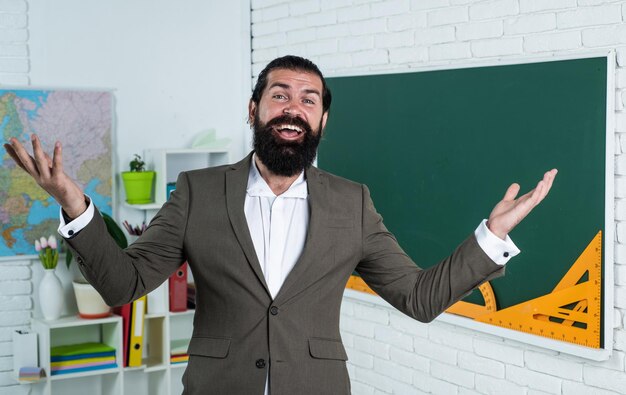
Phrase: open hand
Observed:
(510, 211)
(48, 173)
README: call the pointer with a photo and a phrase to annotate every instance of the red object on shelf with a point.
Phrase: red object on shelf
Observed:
(178, 289)
(124, 312)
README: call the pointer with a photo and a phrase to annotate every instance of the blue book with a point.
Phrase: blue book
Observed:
(60, 358)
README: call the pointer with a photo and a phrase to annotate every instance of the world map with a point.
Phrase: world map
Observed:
(82, 122)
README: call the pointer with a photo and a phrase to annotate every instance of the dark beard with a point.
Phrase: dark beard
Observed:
(285, 158)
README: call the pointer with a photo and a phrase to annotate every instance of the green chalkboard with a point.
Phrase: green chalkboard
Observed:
(438, 149)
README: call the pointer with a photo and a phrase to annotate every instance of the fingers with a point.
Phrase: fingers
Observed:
(23, 158)
(549, 179)
(41, 166)
(14, 156)
(543, 187)
(40, 158)
(57, 160)
(537, 193)
(511, 192)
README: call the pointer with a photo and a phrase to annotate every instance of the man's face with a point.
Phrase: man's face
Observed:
(288, 121)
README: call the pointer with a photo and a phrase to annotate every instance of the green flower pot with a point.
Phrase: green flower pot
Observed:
(139, 186)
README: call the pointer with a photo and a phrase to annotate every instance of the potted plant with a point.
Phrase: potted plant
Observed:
(90, 303)
(138, 182)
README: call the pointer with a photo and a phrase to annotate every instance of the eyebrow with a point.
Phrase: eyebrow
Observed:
(287, 86)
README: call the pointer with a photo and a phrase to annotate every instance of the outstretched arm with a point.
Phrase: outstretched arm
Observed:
(510, 211)
(48, 173)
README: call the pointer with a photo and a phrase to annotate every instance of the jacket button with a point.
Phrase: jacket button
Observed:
(274, 310)
(260, 363)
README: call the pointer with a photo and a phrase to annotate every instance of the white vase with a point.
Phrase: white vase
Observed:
(51, 295)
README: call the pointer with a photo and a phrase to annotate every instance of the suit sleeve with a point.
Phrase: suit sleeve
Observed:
(421, 294)
(122, 276)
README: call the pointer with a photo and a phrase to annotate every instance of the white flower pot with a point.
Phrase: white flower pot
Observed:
(90, 303)
(50, 295)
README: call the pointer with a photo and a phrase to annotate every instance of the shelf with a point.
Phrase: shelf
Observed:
(135, 368)
(76, 330)
(156, 368)
(155, 315)
(179, 313)
(72, 321)
(147, 206)
(168, 163)
(98, 372)
(178, 365)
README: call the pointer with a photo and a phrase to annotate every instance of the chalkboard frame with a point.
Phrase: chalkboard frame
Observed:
(609, 224)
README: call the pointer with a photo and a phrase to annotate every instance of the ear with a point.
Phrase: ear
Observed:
(324, 119)
(251, 112)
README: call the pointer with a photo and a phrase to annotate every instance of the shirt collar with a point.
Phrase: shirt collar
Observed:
(258, 187)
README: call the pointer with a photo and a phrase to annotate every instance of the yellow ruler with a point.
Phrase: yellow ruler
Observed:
(472, 310)
(571, 312)
(357, 283)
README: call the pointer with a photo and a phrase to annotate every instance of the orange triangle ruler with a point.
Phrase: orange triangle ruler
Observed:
(571, 312)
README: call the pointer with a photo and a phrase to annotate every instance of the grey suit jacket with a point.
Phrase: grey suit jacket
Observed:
(240, 334)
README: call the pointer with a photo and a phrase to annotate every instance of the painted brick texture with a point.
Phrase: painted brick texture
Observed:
(16, 304)
(14, 63)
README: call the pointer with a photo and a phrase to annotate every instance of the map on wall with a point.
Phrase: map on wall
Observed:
(82, 122)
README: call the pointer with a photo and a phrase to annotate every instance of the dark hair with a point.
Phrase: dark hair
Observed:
(291, 62)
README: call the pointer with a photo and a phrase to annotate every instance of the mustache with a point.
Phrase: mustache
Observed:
(286, 119)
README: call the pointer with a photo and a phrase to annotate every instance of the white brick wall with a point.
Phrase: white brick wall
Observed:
(15, 282)
(14, 65)
(375, 35)
(16, 306)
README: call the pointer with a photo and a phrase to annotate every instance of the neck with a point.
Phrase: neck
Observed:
(277, 183)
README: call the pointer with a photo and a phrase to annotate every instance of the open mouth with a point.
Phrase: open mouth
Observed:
(289, 131)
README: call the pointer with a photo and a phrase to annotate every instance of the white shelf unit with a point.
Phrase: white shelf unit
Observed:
(168, 163)
(157, 376)
(75, 330)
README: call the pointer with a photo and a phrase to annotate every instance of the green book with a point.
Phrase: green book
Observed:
(79, 349)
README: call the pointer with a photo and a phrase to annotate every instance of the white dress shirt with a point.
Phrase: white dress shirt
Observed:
(278, 226)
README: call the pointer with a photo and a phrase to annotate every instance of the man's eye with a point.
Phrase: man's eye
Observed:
(279, 96)
(309, 101)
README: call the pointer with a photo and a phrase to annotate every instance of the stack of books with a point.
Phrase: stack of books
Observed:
(178, 351)
(81, 358)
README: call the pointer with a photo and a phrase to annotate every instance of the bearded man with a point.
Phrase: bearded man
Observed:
(271, 241)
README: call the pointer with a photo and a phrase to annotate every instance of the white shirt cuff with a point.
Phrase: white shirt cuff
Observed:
(500, 251)
(70, 229)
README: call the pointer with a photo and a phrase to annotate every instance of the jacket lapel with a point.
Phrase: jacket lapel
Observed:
(236, 184)
(315, 239)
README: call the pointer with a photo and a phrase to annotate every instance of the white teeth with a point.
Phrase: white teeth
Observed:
(290, 127)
